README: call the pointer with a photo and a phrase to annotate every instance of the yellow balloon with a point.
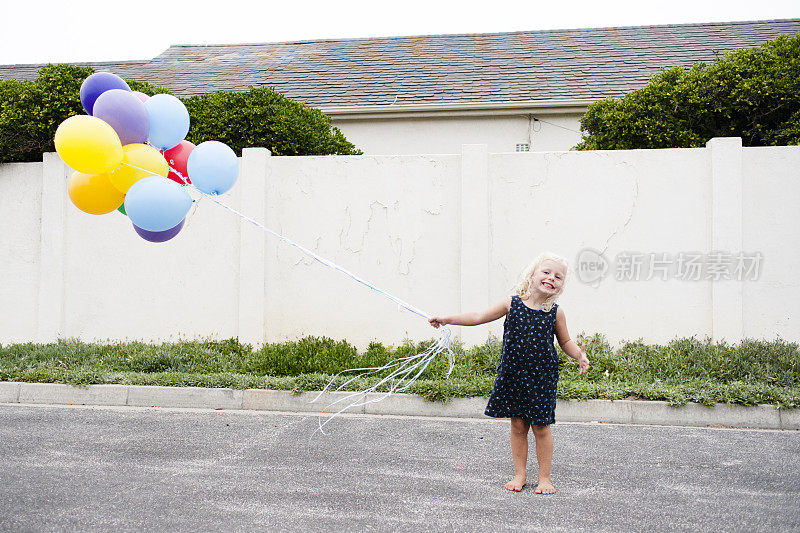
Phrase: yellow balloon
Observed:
(93, 193)
(88, 144)
(138, 161)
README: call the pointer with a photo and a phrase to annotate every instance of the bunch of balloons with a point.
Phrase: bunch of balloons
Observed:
(129, 154)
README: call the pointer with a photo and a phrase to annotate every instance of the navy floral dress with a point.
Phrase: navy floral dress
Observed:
(527, 375)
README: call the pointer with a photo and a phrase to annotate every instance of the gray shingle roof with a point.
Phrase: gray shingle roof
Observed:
(501, 67)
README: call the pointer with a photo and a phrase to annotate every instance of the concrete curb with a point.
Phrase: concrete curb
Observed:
(615, 411)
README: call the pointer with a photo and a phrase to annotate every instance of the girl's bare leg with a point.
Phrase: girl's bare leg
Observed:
(544, 454)
(519, 452)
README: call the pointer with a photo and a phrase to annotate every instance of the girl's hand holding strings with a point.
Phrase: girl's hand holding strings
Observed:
(436, 321)
(583, 361)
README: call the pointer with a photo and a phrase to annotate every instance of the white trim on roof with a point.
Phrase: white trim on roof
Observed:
(458, 109)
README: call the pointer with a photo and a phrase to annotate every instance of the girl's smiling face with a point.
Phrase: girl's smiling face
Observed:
(548, 277)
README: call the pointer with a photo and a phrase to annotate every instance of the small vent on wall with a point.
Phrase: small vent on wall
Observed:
(523, 147)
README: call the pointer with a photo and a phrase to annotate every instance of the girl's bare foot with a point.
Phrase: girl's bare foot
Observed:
(545, 487)
(516, 484)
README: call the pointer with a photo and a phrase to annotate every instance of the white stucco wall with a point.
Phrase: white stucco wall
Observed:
(446, 135)
(386, 219)
(770, 224)
(20, 245)
(611, 202)
(446, 233)
(106, 282)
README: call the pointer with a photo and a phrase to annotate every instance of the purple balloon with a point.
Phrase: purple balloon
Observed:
(125, 113)
(98, 83)
(158, 236)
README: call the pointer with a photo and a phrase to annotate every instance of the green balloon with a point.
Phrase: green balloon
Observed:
(121, 209)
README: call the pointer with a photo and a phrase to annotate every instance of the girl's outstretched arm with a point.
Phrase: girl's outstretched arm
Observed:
(568, 345)
(473, 319)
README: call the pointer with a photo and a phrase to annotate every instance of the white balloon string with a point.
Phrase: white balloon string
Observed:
(407, 370)
(404, 370)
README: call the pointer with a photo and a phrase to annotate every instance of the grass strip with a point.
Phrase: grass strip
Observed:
(684, 370)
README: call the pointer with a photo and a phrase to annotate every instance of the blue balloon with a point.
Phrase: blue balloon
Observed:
(213, 167)
(158, 236)
(125, 113)
(169, 121)
(98, 83)
(156, 203)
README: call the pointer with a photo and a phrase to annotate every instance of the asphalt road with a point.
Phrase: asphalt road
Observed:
(130, 469)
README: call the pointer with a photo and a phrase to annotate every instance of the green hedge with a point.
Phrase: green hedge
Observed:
(30, 112)
(684, 370)
(751, 93)
(263, 117)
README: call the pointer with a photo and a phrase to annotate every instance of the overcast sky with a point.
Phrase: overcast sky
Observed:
(34, 31)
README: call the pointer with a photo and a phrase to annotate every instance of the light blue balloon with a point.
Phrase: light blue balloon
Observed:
(156, 203)
(169, 121)
(213, 167)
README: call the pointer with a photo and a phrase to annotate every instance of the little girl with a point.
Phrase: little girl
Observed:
(525, 387)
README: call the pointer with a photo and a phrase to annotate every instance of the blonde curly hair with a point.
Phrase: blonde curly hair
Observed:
(523, 288)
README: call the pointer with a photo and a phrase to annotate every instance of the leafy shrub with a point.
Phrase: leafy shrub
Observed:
(680, 371)
(146, 88)
(751, 93)
(266, 118)
(31, 111)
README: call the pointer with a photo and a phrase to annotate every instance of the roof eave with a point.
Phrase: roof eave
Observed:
(458, 109)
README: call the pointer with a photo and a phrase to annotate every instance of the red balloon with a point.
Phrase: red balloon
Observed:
(176, 159)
